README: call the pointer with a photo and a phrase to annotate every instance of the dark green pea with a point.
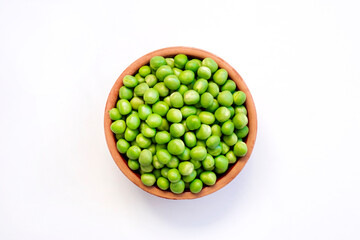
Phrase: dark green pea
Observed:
(174, 115)
(164, 172)
(240, 121)
(239, 97)
(124, 106)
(173, 175)
(198, 153)
(114, 114)
(180, 60)
(201, 143)
(207, 118)
(206, 100)
(187, 111)
(186, 77)
(140, 89)
(190, 139)
(213, 141)
(177, 187)
(154, 120)
(203, 132)
(163, 155)
(231, 157)
(191, 97)
(156, 173)
(176, 100)
(216, 151)
(146, 169)
(172, 82)
(163, 183)
(240, 109)
(230, 140)
(148, 179)
(211, 64)
(197, 164)
(228, 127)
(163, 71)
(242, 133)
(133, 121)
(225, 98)
(222, 114)
(157, 61)
(170, 62)
(119, 136)
(177, 130)
(122, 146)
(208, 163)
(162, 137)
(151, 96)
(213, 89)
(125, 93)
(196, 186)
(189, 178)
(185, 155)
(204, 72)
(199, 171)
(160, 108)
(240, 149)
(208, 178)
(186, 168)
(220, 76)
(162, 89)
(118, 126)
(130, 135)
(221, 164)
(144, 71)
(130, 81)
(182, 89)
(151, 80)
(201, 85)
(164, 125)
(174, 162)
(152, 149)
(142, 141)
(133, 152)
(133, 164)
(229, 85)
(144, 111)
(176, 147)
(177, 72)
(193, 65)
(145, 158)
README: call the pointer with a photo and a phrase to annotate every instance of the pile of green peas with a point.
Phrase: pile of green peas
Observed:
(180, 122)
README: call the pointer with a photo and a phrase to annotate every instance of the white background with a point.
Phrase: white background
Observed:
(59, 60)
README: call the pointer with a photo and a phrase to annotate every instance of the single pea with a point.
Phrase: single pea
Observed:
(201, 143)
(133, 121)
(208, 178)
(156, 173)
(198, 153)
(187, 111)
(174, 162)
(145, 158)
(133, 152)
(176, 100)
(139, 78)
(119, 136)
(174, 115)
(197, 164)
(182, 89)
(199, 171)
(214, 106)
(190, 139)
(157, 61)
(240, 109)
(142, 141)
(193, 122)
(216, 151)
(163, 183)
(239, 97)
(177, 187)
(191, 97)
(213, 141)
(196, 186)
(163, 71)
(118, 126)
(135, 102)
(164, 125)
(208, 163)
(163, 155)
(220, 76)
(180, 60)
(227, 128)
(162, 89)
(151, 80)
(176, 147)
(243, 132)
(224, 148)
(201, 85)
(114, 114)
(130, 135)
(193, 65)
(185, 155)
(206, 100)
(186, 168)
(177, 72)
(240, 120)
(230, 140)
(148, 179)
(221, 164)
(124, 106)
(189, 178)
(144, 71)
(222, 114)
(151, 96)
(162, 137)
(156, 163)
(160, 146)
(225, 98)
(133, 164)
(125, 93)
(203, 132)
(207, 117)
(172, 82)
(213, 89)
(173, 175)
(154, 120)
(144, 111)
(177, 130)
(240, 149)
(164, 172)
(231, 157)
(122, 145)
(232, 111)
(167, 100)
(152, 149)
(229, 85)
(130, 81)
(204, 72)
(140, 89)
(186, 77)
(146, 169)
(216, 130)
(170, 62)
(211, 64)
(160, 108)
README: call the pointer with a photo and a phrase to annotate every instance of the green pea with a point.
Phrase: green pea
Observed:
(240, 120)
(230, 140)
(216, 130)
(177, 130)
(214, 106)
(163, 155)
(164, 172)
(118, 126)
(142, 141)
(114, 114)
(203, 132)
(186, 168)
(199, 171)
(177, 187)
(213, 89)
(163, 71)
(124, 106)
(186, 77)
(156, 163)
(197, 164)
(201, 143)
(193, 122)
(130, 135)
(189, 178)
(156, 173)
(242, 133)
(222, 114)
(198, 153)
(148, 179)
(160, 108)
(145, 158)
(207, 118)
(227, 128)
(174, 115)
(186, 111)
(133, 164)
(174, 162)
(221, 164)
(146, 169)
(133, 152)
(231, 157)
(190, 139)
(177, 72)
(170, 62)
(122, 145)
(225, 98)
(240, 149)
(154, 120)
(173, 175)
(162, 89)
(133, 121)
(125, 93)
(176, 147)
(152, 149)
(164, 125)
(208, 178)
(220, 76)
(172, 82)
(239, 97)
(151, 80)
(185, 155)
(240, 109)
(208, 163)
(162, 137)
(229, 85)
(119, 136)
(144, 111)
(191, 97)
(206, 100)
(193, 65)
(201, 85)
(216, 151)
(211, 64)
(204, 72)
(196, 186)
(167, 100)
(180, 60)
(224, 148)
(157, 61)
(213, 141)
(160, 146)
(182, 89)
(163, 183)
(176, 100)
(130, 81)
(232, 111)
(151, 96)
(135, 102)
(140, 89)
(144, 71)
(139, 78)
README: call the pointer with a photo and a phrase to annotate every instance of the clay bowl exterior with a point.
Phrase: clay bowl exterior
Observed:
(121, 161)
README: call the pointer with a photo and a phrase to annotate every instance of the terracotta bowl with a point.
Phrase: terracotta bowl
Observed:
(121, 161)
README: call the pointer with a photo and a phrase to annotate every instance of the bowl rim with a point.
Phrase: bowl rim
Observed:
(232, 172)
